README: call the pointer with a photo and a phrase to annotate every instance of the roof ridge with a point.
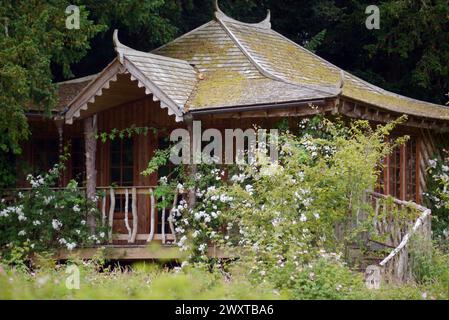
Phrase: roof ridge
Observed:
(348, 74)
(78, 80)
(261, 69)
(184, 35)
(122, 49)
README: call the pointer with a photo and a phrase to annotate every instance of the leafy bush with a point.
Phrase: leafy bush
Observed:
(45, 218)
(437, 197)
(139, 282)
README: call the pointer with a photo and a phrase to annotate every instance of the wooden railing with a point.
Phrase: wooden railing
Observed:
(131, 195)
(395, 267)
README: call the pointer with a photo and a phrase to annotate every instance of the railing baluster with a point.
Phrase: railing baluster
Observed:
(111, 213)
(103, 211)
(135, 218)
(126, 214)
(152, 211)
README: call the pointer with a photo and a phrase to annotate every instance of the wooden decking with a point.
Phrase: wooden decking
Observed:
(135, 253)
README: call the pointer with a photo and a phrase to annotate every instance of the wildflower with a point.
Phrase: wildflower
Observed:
(303, 217)
(36, 223)
(76, 208)
(22, 233)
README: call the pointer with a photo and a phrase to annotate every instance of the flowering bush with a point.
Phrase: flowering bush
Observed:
(283, 215)
(44, 218)
(437, 196)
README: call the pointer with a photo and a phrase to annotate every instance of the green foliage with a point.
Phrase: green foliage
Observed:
(437, 197)
(316, 41)
(128, 132)
(429, 263)
(33, 36)
(46, 218)
(139, 282)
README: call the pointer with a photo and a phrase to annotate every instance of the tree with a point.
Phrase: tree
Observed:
(33, 36)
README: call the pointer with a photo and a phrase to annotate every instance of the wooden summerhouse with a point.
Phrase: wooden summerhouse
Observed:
(228, 74)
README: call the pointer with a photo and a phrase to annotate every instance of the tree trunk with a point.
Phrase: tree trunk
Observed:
(90, 128)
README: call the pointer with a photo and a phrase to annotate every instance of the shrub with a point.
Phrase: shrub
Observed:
(44, 218)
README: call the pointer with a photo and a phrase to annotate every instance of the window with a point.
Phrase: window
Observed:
(45, 154)
(121, 162)
(410, 171)
(78, 160)
(400, 173)
(394, 174)
(121, 168)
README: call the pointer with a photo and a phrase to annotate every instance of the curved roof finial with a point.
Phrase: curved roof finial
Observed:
(220, 15)
(216, 6)
(119, 47)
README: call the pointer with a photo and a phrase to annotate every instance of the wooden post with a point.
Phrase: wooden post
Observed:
(90, 129)
(60, 126)
(191, 196)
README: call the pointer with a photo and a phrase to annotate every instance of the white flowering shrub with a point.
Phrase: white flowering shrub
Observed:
(45, 218)
(437, 197)
(283, 215)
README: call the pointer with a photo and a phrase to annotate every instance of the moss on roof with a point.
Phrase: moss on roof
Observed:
(287, 60)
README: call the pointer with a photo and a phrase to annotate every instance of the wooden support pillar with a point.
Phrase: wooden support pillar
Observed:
(59, 121)
(193, 169)
(90, 129)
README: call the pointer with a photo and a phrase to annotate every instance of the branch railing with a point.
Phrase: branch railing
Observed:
(132, 195)
(395, 266)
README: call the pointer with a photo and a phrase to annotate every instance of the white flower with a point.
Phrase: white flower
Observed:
(202, 247)
(303, 217)
(56, 224)
(316, 215)
(433, 163)
(249, 188)
(76, 208)
(36, 223)
(62, 241)
(22, 233)
(102, 235)
(71, 246)
(83, 222)
(163, 180)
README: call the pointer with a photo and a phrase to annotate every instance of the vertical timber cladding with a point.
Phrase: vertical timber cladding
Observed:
(41, 150)
(405, 168)
(141, 113)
